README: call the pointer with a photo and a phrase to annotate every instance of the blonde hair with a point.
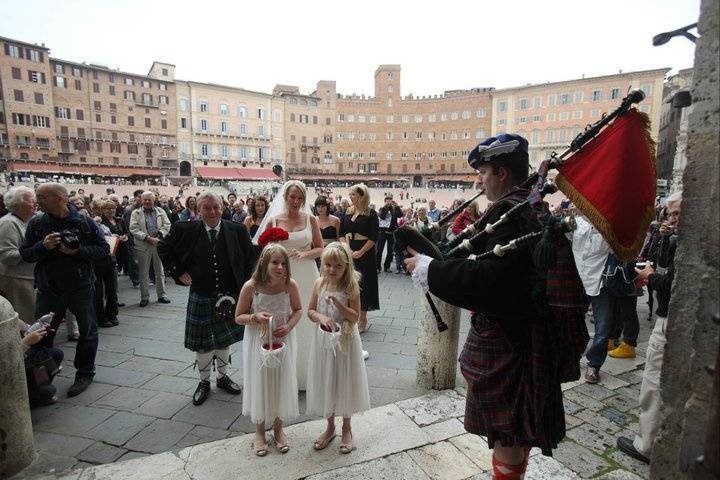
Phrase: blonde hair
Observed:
(349, 283)
(297, 184)
(260, 275)
(364, 200)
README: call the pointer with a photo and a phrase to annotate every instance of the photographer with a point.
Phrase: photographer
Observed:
(148, 225)
(64, 244)
(388, 217)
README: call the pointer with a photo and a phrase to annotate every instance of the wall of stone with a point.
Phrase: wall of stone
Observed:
(692, 334)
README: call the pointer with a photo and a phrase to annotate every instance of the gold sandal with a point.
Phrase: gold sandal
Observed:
(320, 445)
(346, 448)
(260, 451)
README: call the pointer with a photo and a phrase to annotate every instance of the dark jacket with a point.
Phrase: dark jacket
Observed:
(395, 213)
(54, 270)
(662, 282)
(176, 250)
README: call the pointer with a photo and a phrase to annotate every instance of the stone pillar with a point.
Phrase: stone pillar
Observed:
(692, 335)
(437, 352)
(17, 449)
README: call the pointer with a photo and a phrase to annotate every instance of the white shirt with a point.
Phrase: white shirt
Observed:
(590, 251)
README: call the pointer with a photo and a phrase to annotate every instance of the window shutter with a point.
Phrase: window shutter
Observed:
(42, 57)
(54, 81)
(7, 48)
(42, 77)
(22, 52)
(69, 115)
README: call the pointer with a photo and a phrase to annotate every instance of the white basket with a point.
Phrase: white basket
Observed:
(330, 340)
(272, 353)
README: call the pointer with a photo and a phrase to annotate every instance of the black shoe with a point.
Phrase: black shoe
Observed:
(387, 269)
(144, 303)
(202, 392)
(135, 285)
(80, 385)
(626, 446)
(114, 321)
(120, 304)
(106, 323)
(163, 300)
(228, 385)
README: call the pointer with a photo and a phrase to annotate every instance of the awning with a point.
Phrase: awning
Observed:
(220, 173)
(74, 169)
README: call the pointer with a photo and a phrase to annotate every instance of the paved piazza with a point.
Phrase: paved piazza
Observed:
(139, 410)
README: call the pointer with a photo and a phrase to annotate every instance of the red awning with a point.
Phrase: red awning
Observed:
(74, 169)
(220, 173)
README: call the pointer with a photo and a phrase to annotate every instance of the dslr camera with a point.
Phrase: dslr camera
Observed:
(70, 239)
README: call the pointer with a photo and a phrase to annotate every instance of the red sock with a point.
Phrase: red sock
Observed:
(504, 471)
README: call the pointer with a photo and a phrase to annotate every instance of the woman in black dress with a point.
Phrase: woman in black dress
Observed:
(360, 230)
(256, 213)
(329, 224)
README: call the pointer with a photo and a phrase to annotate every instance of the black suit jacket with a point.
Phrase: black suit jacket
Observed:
(176, 249)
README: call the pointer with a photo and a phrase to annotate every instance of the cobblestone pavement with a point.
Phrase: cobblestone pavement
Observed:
(140, 402)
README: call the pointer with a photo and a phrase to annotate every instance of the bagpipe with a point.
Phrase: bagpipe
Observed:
(593, 172)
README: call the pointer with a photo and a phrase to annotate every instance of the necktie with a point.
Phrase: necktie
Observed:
(213, 237)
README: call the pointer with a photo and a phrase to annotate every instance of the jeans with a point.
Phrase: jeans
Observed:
(81, 303)
(383, 238)
(133, 270)
(626, 320)
(603, 309)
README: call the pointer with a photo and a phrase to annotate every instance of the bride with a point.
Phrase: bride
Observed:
(290, 211)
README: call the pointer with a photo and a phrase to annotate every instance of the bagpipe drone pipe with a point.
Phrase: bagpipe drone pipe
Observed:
(593, 173)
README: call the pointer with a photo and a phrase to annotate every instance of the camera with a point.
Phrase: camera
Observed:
(69, 239)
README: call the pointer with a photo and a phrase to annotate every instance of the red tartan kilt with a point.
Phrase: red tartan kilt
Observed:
(497, 386)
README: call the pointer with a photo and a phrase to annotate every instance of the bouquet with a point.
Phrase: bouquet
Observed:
(272, 234)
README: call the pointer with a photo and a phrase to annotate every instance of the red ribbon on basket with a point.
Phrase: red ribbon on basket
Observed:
(272, 234)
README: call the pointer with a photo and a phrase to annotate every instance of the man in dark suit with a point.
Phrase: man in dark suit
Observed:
(214, 257)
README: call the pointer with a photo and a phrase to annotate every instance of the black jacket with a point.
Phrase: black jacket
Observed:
(662, 282)
(394, 211)
(54, 270)
(176, 249)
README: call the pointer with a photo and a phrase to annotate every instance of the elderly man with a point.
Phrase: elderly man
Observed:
(148, 225)
(215, 258)
(16, 276)
(433, 212)
(64, 244)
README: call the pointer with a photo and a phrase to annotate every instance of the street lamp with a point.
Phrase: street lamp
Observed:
(663, 38)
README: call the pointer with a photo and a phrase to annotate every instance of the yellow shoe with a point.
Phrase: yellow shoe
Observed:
(611, 344)
(624, 350)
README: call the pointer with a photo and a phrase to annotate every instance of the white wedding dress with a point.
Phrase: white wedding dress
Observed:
(304, 272)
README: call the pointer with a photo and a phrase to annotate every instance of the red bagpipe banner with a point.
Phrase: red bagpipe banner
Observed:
(611, 180)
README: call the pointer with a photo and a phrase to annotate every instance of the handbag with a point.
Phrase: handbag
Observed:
(40, 367)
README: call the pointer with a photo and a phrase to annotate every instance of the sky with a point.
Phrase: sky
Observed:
(440, 45)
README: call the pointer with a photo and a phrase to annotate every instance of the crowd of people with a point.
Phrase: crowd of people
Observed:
(294, 282)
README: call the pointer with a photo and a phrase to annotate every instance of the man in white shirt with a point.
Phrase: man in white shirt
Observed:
(591, 252)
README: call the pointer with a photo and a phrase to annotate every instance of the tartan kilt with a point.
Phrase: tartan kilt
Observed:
(203, 331)
(499, 403)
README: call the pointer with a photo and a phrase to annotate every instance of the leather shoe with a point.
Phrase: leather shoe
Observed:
(163, 300)
(144, 303)
(106, 323)
(120, 304)
(626, 446)
(228, 385)
(202, 392)
(80, 385)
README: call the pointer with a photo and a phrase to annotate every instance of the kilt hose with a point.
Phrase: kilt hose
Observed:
(203, 331)
(501, 401)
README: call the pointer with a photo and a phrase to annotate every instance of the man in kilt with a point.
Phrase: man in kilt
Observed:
(215, 258)
(510, 398)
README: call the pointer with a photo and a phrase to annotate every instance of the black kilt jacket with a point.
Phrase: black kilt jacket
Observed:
(511, 398)
(215, 271)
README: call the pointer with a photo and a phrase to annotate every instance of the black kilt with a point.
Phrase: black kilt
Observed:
(203, 331)
(499, 403)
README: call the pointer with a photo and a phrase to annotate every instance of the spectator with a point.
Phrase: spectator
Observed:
(149, 225)
(228, 206)
(64, 275)
(239, 213)
(16, 276)
(189, 213)
(106, 269)
(132, 266)
(256, 213)
(433, 212)
(466, 218)
(661, 280)
(387, 217)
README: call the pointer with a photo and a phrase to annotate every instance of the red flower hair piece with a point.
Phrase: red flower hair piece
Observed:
(272, 234)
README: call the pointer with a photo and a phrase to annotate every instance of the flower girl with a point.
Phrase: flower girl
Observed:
(270, 308)
(337, 379)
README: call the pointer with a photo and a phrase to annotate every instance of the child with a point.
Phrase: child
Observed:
(269, 393)
(337, 380)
